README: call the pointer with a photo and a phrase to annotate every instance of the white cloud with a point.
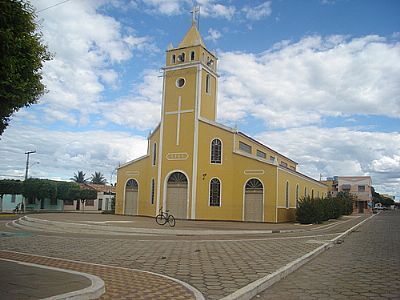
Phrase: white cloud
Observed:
(341, 151)
(142, 109)
(61, 153)
(295, 84)
(213, 35)
(86, 45)
(258, 12)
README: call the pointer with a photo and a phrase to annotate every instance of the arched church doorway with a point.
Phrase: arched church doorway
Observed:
(177, 193)
(131, 197)
(253, 201)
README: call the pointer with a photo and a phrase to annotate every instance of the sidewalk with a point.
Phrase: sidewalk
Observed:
(21, 281)
(116, 224)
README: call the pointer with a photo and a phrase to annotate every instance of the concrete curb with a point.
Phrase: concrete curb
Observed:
(251, 290)
(57, 226)
(94, 291)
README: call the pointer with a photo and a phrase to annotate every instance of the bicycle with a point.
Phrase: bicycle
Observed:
(164, 217)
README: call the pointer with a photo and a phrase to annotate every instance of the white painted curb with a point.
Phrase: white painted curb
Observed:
(251, 290)
(94, 291)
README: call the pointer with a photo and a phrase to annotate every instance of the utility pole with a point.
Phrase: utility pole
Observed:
(27, 163)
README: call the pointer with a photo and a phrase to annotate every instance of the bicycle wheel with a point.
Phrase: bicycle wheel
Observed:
(171, 221)
(160, 219)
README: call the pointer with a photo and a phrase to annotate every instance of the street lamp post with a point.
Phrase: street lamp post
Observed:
(27, 163)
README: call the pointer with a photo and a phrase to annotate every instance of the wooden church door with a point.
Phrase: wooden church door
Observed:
(131, 195)
(177, 193)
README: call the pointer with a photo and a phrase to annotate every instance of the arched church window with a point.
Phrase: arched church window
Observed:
(180, 82)
(216, 151)
(254, 184)
(181, 57)
(312, 194)
(154, 154)
(192, 55)
(152, 192)
(208, 84)
(173, 59)
(177, 177)
(215, 192)
(287, 194)
(132, 185)
(305, 192)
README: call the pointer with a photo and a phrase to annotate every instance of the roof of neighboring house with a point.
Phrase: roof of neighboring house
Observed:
(98, 187)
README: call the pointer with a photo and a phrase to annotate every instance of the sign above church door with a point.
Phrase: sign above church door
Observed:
(177, 156)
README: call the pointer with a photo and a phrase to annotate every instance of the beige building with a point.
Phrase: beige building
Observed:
(359, 186)
(200, 169)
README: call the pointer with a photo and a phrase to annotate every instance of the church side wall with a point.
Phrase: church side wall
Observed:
(288, 212)
(233, 174)
(143, 171)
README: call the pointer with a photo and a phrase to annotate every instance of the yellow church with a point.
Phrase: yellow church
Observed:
(199, 169)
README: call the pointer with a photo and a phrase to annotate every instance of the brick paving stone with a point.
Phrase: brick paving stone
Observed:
(359, 268)
(119, 283)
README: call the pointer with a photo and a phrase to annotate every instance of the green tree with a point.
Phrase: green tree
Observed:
(10, 186)
(79, 177)
(40, 189)
(21, 59)
(67, 190)
(98, 178)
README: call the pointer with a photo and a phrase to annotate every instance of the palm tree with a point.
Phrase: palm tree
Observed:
(80, 177)
(98, 178)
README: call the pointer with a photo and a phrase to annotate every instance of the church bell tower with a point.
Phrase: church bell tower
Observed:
(189, 94)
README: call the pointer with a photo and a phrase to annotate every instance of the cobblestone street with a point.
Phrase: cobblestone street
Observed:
(365, 266)
(216, 267)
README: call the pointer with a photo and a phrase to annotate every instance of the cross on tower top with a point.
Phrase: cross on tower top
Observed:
(195, 14)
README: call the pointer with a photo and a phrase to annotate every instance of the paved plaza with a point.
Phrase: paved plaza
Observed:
(365, 266)
(179, 265)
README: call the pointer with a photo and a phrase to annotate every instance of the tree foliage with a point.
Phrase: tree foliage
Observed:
(10, 186)
(86, 194)
(21, 59)
(67, 190)
(98, 178)
(317, 210)
(378, 198)
(40, 189)
(79, 177)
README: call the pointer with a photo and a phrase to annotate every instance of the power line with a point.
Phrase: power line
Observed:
(52, 6)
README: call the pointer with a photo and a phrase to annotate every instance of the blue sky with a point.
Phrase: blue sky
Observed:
(316, 80)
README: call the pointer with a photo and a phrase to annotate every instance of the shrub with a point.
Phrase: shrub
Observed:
(309, 211)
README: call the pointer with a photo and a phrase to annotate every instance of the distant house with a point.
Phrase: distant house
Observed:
(105, 194)
(359, 186)
(9, 202)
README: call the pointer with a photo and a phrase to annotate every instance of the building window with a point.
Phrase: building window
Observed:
(89, 202)
(305, 192)
(272, 158)
(181, 57)
(192, 55)
(312, 194)
(297, 194)
(152, 191)
(287, 194)
(208, 83)
(13, 197)
(154, 154)
(215, 192)
(216, 151)
(361, 188)
(173, 59)
(261, 154)
(244, 147)
(180, 82)
(283, 164)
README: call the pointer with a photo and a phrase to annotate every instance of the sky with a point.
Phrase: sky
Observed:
(317, 80)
